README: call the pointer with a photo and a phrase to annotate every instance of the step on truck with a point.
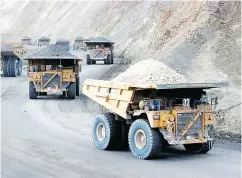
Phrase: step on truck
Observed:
(99, 49)
(53, 70)
(11, 62)
(147, 118)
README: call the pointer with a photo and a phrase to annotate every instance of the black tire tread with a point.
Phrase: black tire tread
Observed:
(111, 57)
(110, 120)
(77, 86)
(13, 70)
(20, 67)
(71, 93)
(156, 141)
(32, 91)
(88, 60)
(109, 60)
(6, 67)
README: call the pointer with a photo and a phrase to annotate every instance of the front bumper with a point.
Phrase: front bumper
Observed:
(190, 141)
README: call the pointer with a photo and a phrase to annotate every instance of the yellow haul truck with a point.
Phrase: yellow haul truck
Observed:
(149, 117)
(99, 49)
(11, 62)
(53, 69)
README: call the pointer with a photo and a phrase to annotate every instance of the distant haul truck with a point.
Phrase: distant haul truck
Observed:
(11, 62)
(53, 70)
(149, 117)
(63, 43)
(99, 49)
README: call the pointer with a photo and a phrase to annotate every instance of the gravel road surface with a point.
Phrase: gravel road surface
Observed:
(51, 137)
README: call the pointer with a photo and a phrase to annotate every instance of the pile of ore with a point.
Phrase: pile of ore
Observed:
(150, 71)
(51, 51)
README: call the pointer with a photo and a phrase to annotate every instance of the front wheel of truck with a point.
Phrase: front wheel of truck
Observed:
(77, 86)
(71, 92)
(32, 91)
(88, 59)
(144, 142)
(109, 60)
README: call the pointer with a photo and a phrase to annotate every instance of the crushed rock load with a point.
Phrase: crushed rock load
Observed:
(52, 51)
(150, 71)
(30, 49)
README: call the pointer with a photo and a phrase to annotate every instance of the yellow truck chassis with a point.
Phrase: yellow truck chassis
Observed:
(149, 111)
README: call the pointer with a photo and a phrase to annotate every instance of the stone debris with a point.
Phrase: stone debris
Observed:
(51, 51)
(150, 71)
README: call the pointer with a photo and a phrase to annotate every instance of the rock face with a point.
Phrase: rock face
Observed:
(199, 39)
(150, 71)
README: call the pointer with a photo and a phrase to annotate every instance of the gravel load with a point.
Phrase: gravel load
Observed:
(51, 51)
(150, 71)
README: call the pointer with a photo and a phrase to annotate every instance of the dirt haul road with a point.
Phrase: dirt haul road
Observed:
(51, 137)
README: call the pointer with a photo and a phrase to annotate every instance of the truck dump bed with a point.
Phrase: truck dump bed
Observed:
(11, 49)
(117, 96)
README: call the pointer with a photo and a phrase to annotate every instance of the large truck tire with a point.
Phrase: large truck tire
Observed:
(77, 86)
(109, 61)
(13, 70)
(111, 57)
(197, 148)
(6, 67)
(104, 131)
(32, 91)
(144, 142)
(19, 67)
(122, 130)
(93, 62)
(88, 60)
(71, 93)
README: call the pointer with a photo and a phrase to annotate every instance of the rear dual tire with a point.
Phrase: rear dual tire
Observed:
(12, 67)
(6, 67)
(109, 133)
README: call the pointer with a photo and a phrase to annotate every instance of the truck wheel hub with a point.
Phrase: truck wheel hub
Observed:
(140, 139)
(100, 132)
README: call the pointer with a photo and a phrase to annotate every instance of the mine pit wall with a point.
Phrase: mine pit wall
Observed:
(198, 39)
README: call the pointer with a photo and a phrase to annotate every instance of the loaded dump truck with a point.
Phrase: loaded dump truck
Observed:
(63, 43)
(11, 62)
(53, 70)
(149, 117)
(99, 49)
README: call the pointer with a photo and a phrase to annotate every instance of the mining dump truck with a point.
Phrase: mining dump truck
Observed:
(53, 70)
(99, 49)
(64, 43)
(148, 118)
(11, 62)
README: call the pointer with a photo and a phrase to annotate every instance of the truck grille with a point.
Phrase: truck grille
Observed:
(182, 121)
(97, 54)
(53, 83)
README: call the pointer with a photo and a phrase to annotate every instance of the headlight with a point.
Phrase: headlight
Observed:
(156, 117)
